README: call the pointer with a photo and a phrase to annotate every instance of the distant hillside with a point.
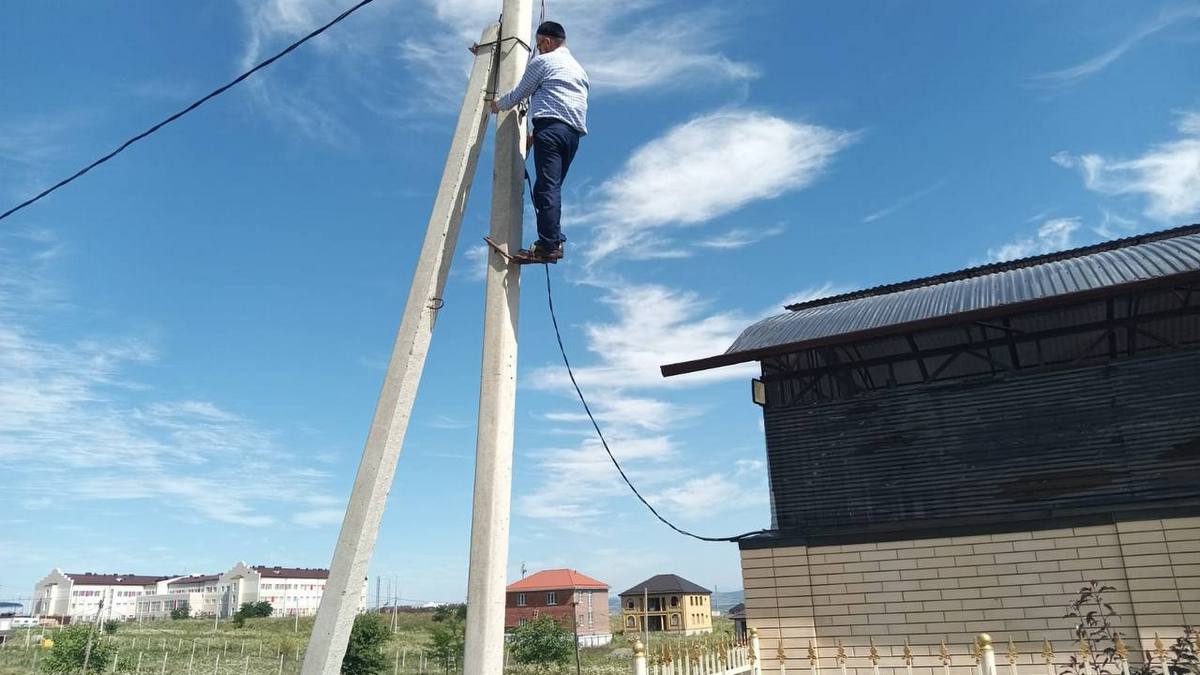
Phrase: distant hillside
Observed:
(722, 601)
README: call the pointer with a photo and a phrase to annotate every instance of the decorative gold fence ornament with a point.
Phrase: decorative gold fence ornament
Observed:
(1160, 652)
(1122, 653)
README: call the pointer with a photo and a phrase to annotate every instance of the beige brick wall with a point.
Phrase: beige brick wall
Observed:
(1013, 586)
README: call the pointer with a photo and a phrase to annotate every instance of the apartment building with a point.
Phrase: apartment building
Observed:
(292, 591)
(79, 595)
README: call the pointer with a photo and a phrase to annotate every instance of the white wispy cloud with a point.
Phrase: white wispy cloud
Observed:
(1114, 226)
(1167, 176)
(653, 324)
(30, 148)
(705, 168)
(405, 61)
(809, 294)
(1053, 235)
(474, 264)
(76, 423)
(450, 422)
(348, 70)
(627, 411)
(903, 202)
(1085, 69)
(715, 493)
(624, 46)
(650, 325)
(319, 517)
(740, 237)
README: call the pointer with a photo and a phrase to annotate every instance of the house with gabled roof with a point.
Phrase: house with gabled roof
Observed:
(667, 603)
(961, 453)
(575, 600)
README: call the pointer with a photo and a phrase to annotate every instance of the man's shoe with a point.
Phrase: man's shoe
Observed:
(541, 253)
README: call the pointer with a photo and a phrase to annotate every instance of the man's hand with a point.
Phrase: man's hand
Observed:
(495, 108)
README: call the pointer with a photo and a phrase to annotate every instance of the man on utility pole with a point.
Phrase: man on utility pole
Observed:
(557, 89)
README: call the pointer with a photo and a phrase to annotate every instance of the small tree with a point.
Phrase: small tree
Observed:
(450, 613)
(1187, 662)
(543, 643)
(70, 648)
(111, 626)
(364, 653)
(181, 612)
(449, 634)
(1093, 628)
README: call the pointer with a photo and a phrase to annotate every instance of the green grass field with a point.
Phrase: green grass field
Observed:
(274, 646)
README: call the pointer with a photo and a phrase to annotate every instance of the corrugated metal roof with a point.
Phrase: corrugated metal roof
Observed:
(1115, 263)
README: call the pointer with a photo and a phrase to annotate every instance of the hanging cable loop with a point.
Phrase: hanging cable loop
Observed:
(600, 434)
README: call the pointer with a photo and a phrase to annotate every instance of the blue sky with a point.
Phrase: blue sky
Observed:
(193, 336)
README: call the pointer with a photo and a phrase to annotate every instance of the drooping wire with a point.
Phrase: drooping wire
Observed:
(213, 94)
(595, 425)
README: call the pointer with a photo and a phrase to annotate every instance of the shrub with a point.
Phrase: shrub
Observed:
(71, 646)
(251, 610)
(449, 634)
(180, 613)
(364, 653)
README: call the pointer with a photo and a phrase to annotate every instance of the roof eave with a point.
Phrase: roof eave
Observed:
(729, 359)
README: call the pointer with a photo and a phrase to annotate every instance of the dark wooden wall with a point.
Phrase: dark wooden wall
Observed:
(991, 454)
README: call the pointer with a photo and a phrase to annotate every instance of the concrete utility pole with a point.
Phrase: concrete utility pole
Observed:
(360, 527)
(498, 378)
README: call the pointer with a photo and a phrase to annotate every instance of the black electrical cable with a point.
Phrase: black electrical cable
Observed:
(587, 409)
(213, 94)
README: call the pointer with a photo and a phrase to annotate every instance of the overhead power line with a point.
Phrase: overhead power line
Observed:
(196, 104)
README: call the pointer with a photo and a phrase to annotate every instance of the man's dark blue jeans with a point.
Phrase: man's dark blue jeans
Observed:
(554, 146)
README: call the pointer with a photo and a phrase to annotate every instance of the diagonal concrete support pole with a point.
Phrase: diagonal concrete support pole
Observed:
(498, 378)
(347, 574)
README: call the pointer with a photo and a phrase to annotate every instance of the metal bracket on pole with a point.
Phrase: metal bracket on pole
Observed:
(360, 527)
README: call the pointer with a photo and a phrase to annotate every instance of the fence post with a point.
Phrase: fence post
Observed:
(639, 658)
(989, 655)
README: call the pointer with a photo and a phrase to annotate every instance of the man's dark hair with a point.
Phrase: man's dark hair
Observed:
(552, 29)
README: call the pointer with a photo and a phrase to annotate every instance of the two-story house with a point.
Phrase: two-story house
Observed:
(575, 600)
(667, 602)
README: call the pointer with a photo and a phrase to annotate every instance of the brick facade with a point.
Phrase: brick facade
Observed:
(591, 606)
(1013, 586)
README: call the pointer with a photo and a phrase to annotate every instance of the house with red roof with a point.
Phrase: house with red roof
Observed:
(575, 600)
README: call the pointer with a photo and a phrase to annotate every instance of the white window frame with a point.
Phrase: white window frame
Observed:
(520, 599)
(551, 598)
